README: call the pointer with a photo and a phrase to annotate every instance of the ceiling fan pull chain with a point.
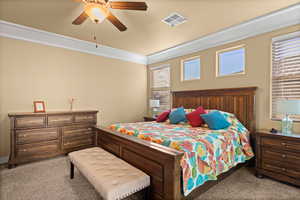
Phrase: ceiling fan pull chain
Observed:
(95, 39)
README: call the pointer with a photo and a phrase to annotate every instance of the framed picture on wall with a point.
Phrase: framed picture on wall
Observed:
(39, 106)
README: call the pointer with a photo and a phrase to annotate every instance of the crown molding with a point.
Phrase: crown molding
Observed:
(3, 160)
(20, 32)
(266, 23)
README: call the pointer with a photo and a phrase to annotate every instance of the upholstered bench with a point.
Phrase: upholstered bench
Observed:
(112, 177)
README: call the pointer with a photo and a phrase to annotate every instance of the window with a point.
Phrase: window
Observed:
(160, 86)
(191, 69)
(285, 71)
(231, 61)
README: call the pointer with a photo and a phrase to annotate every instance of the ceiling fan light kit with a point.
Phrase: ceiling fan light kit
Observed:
(95, 12)
(99, 10)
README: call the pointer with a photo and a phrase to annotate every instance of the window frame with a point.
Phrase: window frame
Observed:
(227, 50)
(277, 39)
(152, 89)
(182, 68)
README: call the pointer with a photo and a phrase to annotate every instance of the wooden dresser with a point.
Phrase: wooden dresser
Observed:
(36, 136)
(278, 156)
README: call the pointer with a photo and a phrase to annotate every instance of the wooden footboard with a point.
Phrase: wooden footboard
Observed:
(161, 163)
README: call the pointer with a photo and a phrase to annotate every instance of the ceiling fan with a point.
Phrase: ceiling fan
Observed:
(98, 10)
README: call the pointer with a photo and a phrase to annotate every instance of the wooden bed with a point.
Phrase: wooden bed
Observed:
(161, 163)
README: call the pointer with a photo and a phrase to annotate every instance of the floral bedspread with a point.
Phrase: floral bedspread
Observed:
(207, 153)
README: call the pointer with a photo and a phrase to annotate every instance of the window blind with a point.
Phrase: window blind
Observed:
(161, 77)
(160, 86)
(285, 70)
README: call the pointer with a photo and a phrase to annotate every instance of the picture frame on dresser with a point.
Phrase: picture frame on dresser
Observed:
(37, 136)
(39, 106)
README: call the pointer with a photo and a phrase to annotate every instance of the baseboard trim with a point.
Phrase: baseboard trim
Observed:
(4, 160)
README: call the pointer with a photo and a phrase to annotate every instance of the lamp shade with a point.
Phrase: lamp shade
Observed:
(154, 103)
(290, 107)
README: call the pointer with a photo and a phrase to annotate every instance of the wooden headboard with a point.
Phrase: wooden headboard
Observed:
(239, 101)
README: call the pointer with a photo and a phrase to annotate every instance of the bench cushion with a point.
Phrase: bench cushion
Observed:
(112, 177)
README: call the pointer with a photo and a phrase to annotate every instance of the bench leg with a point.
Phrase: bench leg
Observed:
(147, 193)
(71, 170)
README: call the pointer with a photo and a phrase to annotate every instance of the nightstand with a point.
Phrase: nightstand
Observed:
(149, 119)
(278, 156)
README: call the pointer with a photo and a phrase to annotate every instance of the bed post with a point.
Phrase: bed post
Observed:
(172, 183)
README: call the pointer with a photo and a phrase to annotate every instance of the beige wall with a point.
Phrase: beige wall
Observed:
(258, 66)
(30, 71)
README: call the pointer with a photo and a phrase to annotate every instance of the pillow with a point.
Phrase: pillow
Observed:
(215, 120)
(194, 117)
(163, 116)
(177, 116)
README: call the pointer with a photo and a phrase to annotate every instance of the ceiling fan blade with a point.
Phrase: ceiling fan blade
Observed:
(116, 22)
(79, 20)
(128, 5)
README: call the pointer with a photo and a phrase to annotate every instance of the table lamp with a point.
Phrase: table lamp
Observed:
(154, 104)
(287, 108)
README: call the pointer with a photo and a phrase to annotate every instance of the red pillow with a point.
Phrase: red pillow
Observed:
(194, 117)
(163, 116)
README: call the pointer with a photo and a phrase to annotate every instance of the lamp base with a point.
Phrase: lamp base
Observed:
(287, 125)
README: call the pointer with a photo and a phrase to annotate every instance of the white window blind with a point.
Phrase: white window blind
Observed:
(285, 70)
(160, 86)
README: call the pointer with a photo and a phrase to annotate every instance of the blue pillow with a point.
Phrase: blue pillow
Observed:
(177, 116)
(215, 120)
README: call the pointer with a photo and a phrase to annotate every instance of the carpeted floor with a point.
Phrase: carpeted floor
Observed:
(49, 180)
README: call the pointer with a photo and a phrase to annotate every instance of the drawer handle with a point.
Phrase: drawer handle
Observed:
(283, 156)
(283, 169)
(283, 144)
(89, 129)
(24, 150)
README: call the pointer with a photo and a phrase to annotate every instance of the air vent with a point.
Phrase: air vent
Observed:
(174, 19)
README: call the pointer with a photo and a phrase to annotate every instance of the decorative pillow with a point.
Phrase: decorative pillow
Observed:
(194, 117)
(163, 116)
(215, 120)
(177, 116)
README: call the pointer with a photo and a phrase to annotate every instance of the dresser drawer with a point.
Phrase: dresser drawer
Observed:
(36, 135)
(76, 131)
(282, 156)
(85, 118)
(35, 150)
(78, 142)
(282, 168)
(280, 144)
(60, 119)
(30, 122)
